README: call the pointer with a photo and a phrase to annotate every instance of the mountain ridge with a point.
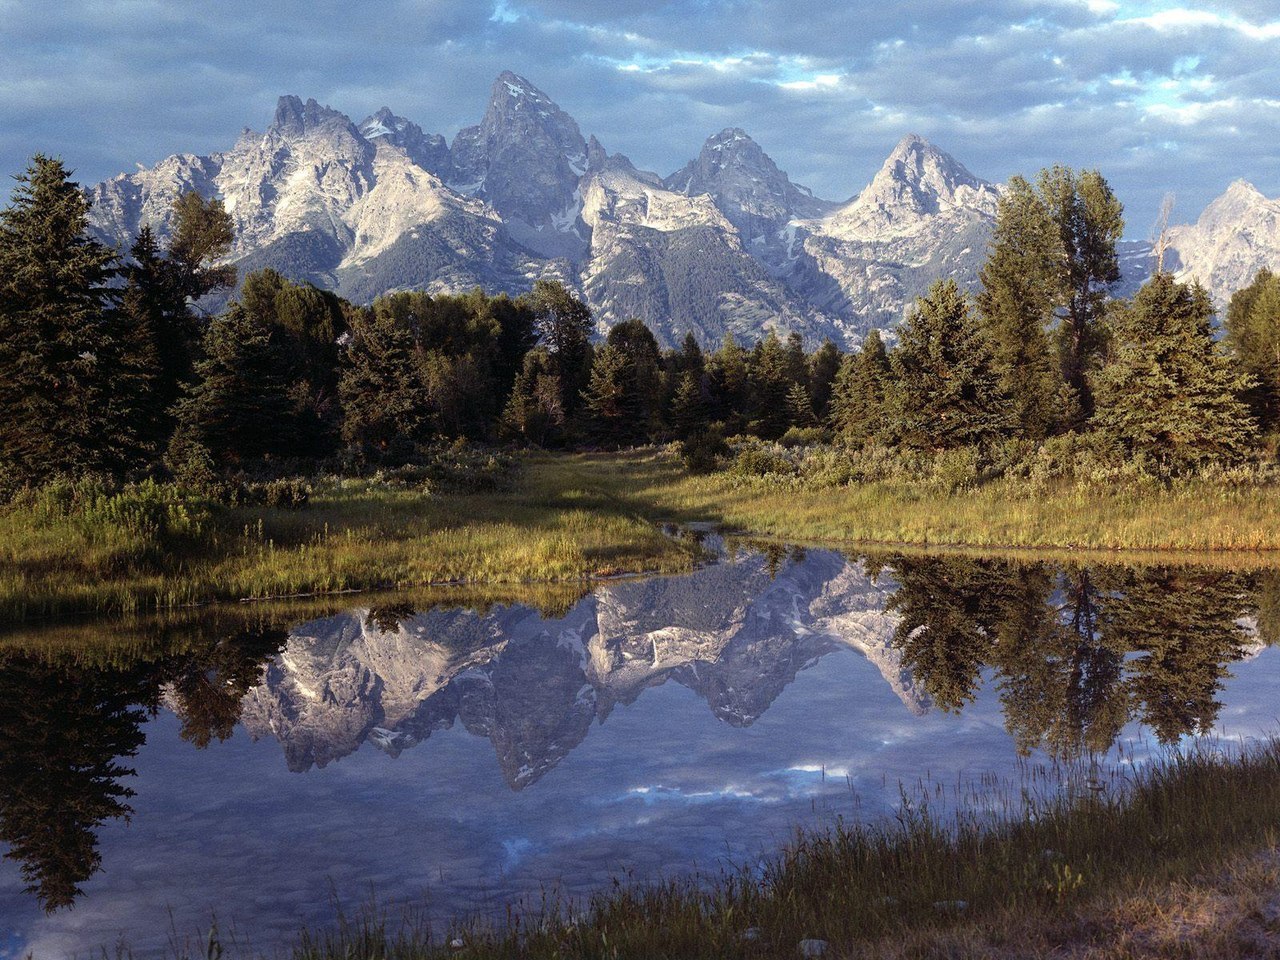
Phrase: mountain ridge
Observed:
(727, 243)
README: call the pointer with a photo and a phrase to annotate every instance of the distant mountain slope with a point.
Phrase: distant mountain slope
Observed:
(726, 243)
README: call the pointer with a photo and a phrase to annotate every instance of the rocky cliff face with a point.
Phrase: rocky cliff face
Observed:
(727, 243)
(535, 686)
(1236, 236)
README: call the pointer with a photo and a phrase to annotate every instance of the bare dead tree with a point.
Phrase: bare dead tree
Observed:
(1160, 231)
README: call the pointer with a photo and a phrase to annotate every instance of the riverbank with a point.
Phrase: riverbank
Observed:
(1179, 861)
(567, 517)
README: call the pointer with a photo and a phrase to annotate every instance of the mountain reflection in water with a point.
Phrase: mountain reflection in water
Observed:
(1073, 653)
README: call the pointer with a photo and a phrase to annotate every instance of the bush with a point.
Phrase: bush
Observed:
(283, 494)
(704, 452)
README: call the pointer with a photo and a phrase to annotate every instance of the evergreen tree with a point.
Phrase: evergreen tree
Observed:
(824, 365)
(240, 407)
(1253, 332)
(729, 384)
(383, 398)
(643, 375)
(860, 393)
(689, 407)
(1090, 221)
(770, 381)
(58, 327)
(947, 392)
(564, 326)
(202, 234)
(800, 407)
(533, 413)
(1169, 394)
(612, 405)
(1021, 288)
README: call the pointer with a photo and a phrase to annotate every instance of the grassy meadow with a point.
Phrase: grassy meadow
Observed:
(568, 517)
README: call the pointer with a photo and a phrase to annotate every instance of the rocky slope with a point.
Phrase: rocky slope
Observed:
(534, 686)
(727, 243)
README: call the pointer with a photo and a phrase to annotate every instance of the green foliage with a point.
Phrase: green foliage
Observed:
(860, 392)
(1168, 394)
(1253, 333)
(59, 334)
(564, 328)
(946, 391)
(240, 409)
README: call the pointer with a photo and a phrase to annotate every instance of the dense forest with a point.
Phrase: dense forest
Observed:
(110, 367)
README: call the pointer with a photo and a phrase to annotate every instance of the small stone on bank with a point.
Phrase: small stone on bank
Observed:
(954, 906)
(750, 934)
(813, 948)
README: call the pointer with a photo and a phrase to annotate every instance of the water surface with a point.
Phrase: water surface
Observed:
(262, 766)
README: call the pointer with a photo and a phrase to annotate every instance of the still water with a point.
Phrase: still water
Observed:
(262, 766)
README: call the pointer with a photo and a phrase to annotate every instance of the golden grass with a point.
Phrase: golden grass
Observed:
(577, 516)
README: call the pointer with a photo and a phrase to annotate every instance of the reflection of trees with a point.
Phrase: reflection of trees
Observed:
(1181, 623)
(210, 682)
(67, 724)
(63, 731)
(1076, 653)
(950, 609)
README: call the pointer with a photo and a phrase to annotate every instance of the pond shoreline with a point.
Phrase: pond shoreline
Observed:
(579, 518)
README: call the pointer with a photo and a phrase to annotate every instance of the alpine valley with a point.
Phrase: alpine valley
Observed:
(726, 244)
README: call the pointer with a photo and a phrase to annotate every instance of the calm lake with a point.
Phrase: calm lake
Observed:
(453, 754)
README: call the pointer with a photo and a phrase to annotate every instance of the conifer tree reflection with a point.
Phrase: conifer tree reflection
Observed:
(64, 729)
(951, 609)
(1182, 623)
(1060, 681)
(209, 684)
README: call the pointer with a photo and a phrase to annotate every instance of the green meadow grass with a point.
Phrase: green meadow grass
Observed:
(572, 517)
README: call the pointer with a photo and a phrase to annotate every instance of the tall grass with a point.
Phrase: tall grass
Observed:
(570, 517)
(863, 888)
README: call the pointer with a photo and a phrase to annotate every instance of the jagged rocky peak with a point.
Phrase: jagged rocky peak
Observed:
(521, 125)
(295, 119)
(919, 175)
(745, 183)
(429, 151)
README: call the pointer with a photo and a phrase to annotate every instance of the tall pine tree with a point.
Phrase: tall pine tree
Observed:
(59, 333)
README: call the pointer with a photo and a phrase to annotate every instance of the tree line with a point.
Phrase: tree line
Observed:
(108, 364)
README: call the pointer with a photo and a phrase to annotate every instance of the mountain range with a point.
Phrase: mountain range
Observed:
(728, 243)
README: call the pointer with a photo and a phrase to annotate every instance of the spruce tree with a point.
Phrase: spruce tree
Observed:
(861, 389)
(57, 313)
(800, 407)
(1169, 394)
(533, 413)
(947, 392)
(770, 380)
(382, 395)
(823, 367)
(1253, 333)
(729, 384)
(1020, 291)
(611, 404)
(689, 407)
(564, 324)
(239, 408)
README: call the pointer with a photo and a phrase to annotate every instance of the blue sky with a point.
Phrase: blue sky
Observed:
(1161, 96)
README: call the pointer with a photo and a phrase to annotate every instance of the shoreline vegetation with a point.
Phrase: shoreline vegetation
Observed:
(1177, 858)
(90, 547)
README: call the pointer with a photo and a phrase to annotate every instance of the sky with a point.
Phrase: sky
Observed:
(1162, 96)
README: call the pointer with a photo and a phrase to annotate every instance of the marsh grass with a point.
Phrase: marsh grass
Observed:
(571, 517)
(1044, 870)
(555, 525)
